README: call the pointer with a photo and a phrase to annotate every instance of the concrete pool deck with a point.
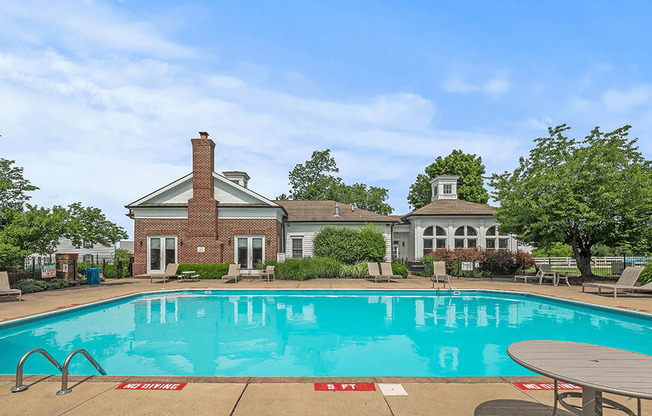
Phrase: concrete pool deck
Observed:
(289, 396)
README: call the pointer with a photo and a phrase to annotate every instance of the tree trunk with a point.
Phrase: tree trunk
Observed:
(581, 253)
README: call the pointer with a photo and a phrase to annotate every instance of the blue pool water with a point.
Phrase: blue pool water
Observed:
(315, 333)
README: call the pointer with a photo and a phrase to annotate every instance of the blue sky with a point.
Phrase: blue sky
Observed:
(100, 98)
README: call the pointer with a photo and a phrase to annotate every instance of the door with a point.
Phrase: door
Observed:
(250, 250)
(162, 251)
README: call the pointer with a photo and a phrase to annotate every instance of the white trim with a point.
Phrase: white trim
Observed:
(163, 237)
(161, 190)
(249, 238)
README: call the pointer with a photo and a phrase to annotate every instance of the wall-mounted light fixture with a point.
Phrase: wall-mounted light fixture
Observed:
(140, 240)
(268, 240)
(229, 240)
(403, 243)
(181, 241)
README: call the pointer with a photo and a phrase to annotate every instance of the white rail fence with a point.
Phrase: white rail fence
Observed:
(596, 262)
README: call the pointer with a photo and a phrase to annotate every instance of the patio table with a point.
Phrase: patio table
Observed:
(595, 368)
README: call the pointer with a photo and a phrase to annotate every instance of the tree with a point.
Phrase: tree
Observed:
(13, 190)
(27, 229)
(470, 186)
(315, 180)
(580, 192)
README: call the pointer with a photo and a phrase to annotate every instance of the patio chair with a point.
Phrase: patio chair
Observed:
(170, 271)
(268, 273)
(439, 271)
(233, 274)
(374, 271)
(5, 290)
(386, 271)
(644, 288)
(626, 282)
(543, 272)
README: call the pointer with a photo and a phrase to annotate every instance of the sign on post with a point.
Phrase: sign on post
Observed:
(49, 270)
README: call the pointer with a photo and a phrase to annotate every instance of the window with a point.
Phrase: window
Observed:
(297, 248)
(433, 237)
(496, 239)
(87, 258)
(448, 188)
(466, 234)
(162, 250)
(87, 244)
(250, 250)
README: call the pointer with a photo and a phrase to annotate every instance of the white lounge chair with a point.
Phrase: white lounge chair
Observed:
(439, 271)
(374, 272)
(233, 274)
(170, 271)
(386, 271)
(268, 273)
(626, 282)
(6, 290)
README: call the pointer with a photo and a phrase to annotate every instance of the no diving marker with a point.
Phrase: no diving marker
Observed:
(546, 386)
(345, 387)
(152, 386)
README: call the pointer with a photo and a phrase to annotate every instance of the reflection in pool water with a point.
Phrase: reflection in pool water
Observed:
(318, 333)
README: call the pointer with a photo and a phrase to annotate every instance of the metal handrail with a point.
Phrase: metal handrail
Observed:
(19, 369)
(64, 371)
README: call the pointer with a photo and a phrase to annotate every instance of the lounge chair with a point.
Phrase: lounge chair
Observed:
(268, 273)
(626, 282)
(170, 271)
(439, 271)
(5, 290)
(386, 271)
(233, 274)
(374, 272)
(644, 288)
(543, 272)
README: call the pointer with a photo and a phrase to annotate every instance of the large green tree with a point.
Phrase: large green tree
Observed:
(580, 192)
(316, 180)
(26, 228)
(470, 186)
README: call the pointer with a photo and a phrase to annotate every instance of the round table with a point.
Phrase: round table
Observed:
(595, 368)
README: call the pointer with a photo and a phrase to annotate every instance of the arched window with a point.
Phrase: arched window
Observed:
(496, 240)
(434, 237)
(465, 237)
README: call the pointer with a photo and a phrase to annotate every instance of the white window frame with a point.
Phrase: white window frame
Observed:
(176, 251)
(250, 248)
(303, 251)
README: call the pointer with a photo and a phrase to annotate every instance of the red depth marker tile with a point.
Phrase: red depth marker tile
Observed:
(345, 387)
(152, 386)
(546, 386)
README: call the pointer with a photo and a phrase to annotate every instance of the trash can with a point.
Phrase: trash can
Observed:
(92, 275)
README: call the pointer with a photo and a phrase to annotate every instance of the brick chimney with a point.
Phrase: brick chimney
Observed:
(202, 207)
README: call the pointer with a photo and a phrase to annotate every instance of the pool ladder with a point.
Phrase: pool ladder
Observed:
(435, 280)
(63, 368)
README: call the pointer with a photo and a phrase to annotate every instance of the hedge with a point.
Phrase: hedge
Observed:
(646, 275)
(206, 271)
(349, 245)
(308, 268)
(33, 285)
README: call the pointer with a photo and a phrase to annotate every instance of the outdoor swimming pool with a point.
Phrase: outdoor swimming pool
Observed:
(314, 333)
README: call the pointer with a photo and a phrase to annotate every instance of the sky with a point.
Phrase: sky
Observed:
(99, 99)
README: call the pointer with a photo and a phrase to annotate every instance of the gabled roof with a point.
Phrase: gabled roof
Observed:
(324, 211)
(227, 193)
(453, 207)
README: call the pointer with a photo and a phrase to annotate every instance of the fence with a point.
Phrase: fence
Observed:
(607, 267)
(32, 264)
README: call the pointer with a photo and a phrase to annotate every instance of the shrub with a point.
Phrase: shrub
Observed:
(110, 270)
(372, 243)
(206, 271)
(349, 246)
(33, 285)
(525, 260)
(646, 275)
(500, 262)
(341, 243)
(399, 269)
(358, 270)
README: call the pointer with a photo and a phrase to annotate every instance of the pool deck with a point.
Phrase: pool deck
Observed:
(288, 396)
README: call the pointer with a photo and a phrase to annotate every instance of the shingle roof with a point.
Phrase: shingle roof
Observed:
(453, 207)
(324, 211)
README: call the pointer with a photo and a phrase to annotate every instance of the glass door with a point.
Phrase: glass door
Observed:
(162, 251)
(250, 250)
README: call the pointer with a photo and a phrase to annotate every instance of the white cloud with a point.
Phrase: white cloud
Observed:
(498, 85)
(619, 101)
